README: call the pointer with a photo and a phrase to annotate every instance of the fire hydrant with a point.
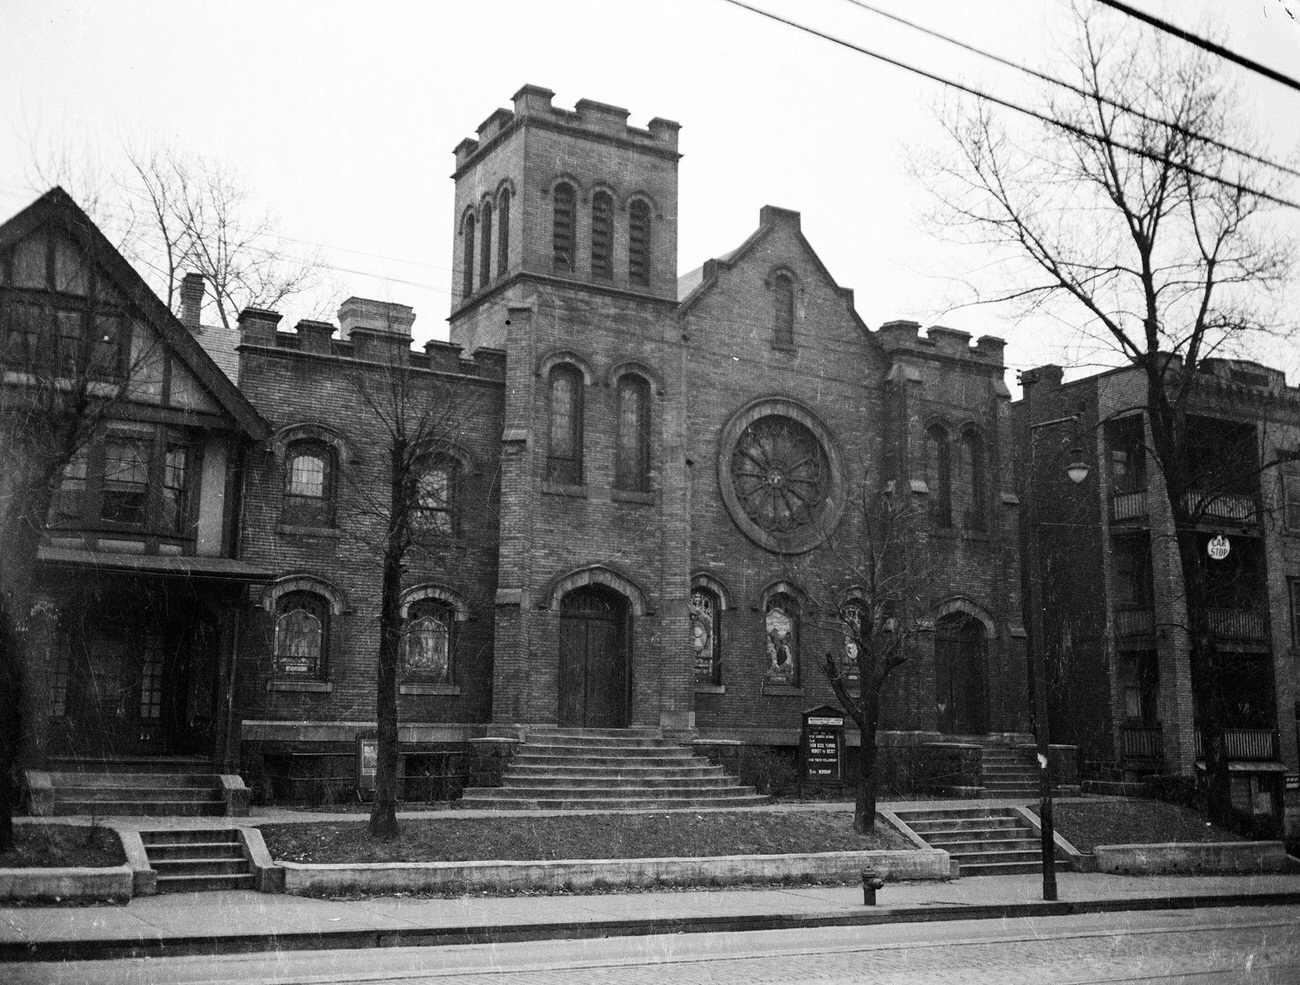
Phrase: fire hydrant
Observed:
(871, 881)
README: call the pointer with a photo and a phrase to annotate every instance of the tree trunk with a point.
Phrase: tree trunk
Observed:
(383, 817)
(864, 806)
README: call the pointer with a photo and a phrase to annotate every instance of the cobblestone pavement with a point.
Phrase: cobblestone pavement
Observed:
(1257, 945)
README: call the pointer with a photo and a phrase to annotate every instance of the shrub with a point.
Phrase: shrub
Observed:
(767, 771)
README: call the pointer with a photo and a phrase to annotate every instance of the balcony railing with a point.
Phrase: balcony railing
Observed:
(1144, 742)
(1134, 622)
(1238, 507)
(1128, 505)
(1244, 743)
(1238, 624)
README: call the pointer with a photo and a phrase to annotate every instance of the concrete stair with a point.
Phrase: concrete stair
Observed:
(151, 787)
(608, 769)
(1010, 771)
(985, 840)
(197, 860)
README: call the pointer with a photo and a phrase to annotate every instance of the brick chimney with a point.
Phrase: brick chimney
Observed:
(192, 290)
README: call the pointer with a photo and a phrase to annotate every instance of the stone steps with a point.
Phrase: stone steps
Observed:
(198, 860)
(983, 840)
(131, 787)
(608, 769)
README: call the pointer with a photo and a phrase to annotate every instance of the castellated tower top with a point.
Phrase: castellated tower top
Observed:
(575, 197)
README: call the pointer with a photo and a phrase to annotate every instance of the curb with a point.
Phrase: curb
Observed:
(84, 950)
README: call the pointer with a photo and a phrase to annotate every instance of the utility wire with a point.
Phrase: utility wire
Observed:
(1025, 110)
(1052, 80)
(1204, 43)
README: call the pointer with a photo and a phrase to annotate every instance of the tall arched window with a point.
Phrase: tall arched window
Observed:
(973, 476)
(428, 641)
(938, 475)
(632, 468)
(638, 243)
(564, 442)
(301, 634)
(706, 635)
(602, 236)
(854, 618)
(563, 239)
(485, 260)
(467, 283)
(781, 623)
(309, 483)
(436, 488)
(783, 301)
(503, 231)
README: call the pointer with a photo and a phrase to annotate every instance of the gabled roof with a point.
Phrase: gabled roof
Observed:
(693, 286)
(57, 208)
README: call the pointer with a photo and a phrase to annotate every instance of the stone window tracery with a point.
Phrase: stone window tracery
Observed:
(780, 474)
(706, 635)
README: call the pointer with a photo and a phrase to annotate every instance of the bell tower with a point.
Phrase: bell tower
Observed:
(577, 198)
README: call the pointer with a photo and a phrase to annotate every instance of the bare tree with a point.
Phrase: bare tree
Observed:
(405, 515)
(1129, 215)
(868, 586)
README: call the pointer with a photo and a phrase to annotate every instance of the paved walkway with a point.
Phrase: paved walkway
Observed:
(214, 922)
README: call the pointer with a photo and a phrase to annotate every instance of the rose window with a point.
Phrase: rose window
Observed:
(780, 474)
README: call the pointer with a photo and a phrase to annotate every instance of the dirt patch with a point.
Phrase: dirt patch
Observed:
(53, 846)
(1133, 822)
(667, 835)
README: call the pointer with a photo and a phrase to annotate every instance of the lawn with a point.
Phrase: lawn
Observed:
(670, 834)
(1132, 822)
(51, 846)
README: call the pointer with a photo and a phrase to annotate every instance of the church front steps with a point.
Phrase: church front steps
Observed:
(609, 769)
(133, 789)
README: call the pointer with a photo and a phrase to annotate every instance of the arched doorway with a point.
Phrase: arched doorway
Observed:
(961, 677)
(594, 661)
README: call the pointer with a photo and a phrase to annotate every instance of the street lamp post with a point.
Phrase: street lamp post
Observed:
(1077, 470)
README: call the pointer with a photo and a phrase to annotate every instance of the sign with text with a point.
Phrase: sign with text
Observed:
(822, 745)
(367, 761)
(1218, 548)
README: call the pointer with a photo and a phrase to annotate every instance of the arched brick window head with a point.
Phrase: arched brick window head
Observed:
(468, 283)
(564, 444)
(564, 227)
(783, 299)
(602, 236)
(632, 468)
(485, 261)
(638, 243)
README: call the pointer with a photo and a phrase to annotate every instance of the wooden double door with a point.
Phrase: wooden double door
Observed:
(595, 676)
(961, 675)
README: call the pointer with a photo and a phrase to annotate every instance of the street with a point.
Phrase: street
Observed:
(1248, 944)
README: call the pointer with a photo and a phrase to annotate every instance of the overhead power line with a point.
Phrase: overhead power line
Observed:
(1052, 80)
(1200, 42)
(1024, 110)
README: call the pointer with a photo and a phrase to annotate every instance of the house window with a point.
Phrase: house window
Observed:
(427, 641)
(563, 228)
(151, 681)
(632, 470)
(972, 447)
(1141, 687)
(301, 634)
(1291, 495)
(435, 511)
(781, 623)
(175, 488)
(638, 243)
(126, 481)
(70, 499)
(485, 260)
(706, 635)
(783, 303)
(602, 236)
(503, 231)
(938, 475)
(467, 286)
(309, 485)
(1133, 583)
(564, 446)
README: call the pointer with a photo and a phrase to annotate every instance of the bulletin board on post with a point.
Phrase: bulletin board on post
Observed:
(821, 747)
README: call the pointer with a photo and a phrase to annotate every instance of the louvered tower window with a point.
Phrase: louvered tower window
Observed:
(602, 236)
(562, 240)
(467, 286)
(485, 260)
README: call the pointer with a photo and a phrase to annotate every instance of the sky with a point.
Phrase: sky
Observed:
(342, 118)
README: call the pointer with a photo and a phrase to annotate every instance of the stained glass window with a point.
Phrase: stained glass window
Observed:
(300, 633)
(781, 622)
(564, 450)
(427, 641)
(632, 469)
(780, 473)
(706, 636)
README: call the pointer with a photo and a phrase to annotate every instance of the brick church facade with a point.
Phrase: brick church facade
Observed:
(647, 481)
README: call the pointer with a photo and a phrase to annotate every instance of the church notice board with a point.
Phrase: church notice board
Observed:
(821, 745)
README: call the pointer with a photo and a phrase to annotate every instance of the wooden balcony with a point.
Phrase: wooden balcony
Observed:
(1144, 744)
(1128, 505)
(1234, 507)
(1134, 622)
(1256, 744)
(1238, 624)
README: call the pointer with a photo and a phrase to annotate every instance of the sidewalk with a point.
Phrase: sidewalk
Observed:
(223, 922)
